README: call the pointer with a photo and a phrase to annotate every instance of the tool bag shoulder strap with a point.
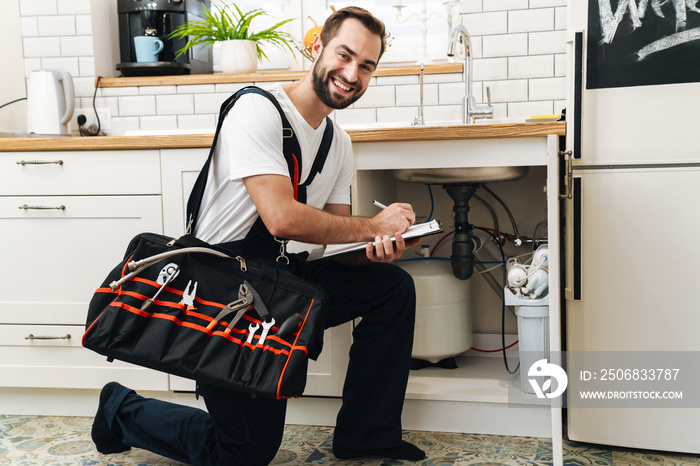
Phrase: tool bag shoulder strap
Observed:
(291, 150)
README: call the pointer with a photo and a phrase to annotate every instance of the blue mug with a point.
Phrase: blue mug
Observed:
(147, 48)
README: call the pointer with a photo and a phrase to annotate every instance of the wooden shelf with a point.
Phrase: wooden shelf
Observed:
(264, 76)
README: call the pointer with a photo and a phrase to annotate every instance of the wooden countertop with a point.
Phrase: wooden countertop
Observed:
(419, 133)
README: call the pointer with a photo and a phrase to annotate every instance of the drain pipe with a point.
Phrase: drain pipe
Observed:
(463, 240)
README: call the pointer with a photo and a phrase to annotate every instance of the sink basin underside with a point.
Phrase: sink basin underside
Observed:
(471, 175)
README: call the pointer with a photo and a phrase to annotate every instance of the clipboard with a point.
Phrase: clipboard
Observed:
(418, 230)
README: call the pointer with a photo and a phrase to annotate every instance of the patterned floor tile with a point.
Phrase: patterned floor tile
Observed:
(65, 441)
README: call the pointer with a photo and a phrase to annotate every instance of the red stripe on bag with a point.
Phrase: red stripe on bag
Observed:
(294, 348)
(200, 328)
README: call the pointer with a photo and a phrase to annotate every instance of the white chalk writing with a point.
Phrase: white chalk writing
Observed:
(610, 21)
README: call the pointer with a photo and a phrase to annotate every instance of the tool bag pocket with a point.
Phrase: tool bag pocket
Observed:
(187, 308)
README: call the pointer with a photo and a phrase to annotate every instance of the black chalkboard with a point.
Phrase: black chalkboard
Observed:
(621, 54)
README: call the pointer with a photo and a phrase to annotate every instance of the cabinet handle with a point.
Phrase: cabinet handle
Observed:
(39, 162)
(47, 337)
(41, 207)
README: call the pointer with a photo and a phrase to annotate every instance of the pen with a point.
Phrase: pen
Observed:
(379, 204)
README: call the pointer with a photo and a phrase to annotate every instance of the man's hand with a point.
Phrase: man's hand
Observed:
(383, 248)
(397, 217)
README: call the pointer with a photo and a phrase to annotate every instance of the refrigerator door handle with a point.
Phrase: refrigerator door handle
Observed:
(569, 175)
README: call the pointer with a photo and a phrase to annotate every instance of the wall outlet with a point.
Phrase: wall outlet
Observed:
(104, 113)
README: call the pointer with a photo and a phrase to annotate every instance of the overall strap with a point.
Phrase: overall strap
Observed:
(290, 144)
(290, 147)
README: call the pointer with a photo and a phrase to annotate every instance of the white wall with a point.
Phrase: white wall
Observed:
(519, 51)
(14, 116)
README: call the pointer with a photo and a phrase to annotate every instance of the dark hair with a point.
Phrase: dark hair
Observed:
(372, 23)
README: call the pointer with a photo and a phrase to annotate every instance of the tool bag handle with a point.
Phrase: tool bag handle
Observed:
(290, 149)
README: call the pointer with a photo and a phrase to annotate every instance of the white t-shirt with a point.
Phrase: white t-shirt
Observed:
(250, 143)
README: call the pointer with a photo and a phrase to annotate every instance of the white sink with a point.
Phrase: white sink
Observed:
(467, 175)
(164, 132)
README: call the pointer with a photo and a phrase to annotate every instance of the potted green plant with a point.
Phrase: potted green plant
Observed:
(240, 47)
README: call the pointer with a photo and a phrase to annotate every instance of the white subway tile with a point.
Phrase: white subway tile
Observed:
(504, 5)
(531, 20)
(489, 69)
(512, 90)
(407, 96)
(29, 25)
(122, 124)
(377, 97)
(154, 123)
(548, 89)
(174, 104)
(536, 66)
(560, 64)
(41, 47)
(83, 25)
(156, 90)
(84, 87)
(472, 6)
(197, 122)
(401, 116)
(559, 106)
(442, 78)
(547, 42)
(560, 18)
(74, 7)
(443, 114)
(528, 109)
(118, 91)
(396, 80)
(356, 116)
(451, 93)
(101, 102)
(546, 3)
(196, 89)
(31, 64)
(37, 7)
(76, 46)
(209, 103)
(137, 106)
(87, 66)
(508, 45)
(69, 64)
(230, 88)
(500, 111)
(56, 25)
(480, 24)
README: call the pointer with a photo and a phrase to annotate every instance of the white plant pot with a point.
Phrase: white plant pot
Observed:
(239, 56)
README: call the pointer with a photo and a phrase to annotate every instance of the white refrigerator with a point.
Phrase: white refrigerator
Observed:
(632, 224)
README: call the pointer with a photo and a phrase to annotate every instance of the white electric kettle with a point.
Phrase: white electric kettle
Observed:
(50, 102)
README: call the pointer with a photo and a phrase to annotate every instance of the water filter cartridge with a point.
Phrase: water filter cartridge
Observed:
(517, 275)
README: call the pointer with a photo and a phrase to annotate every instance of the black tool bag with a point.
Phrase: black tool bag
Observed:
(188, 308)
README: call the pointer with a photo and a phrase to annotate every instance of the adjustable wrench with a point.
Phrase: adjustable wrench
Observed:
(169, 273)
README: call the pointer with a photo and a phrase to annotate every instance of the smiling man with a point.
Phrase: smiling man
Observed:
(248, 203)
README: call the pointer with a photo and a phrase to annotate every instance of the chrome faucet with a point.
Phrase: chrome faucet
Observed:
(460, 33)
(419, 120)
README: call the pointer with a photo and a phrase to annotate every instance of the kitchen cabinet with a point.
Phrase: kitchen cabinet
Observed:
(67, 218)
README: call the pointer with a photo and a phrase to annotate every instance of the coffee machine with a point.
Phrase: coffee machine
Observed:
(158, 18)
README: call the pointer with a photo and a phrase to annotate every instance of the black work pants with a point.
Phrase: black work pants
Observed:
(238, 429)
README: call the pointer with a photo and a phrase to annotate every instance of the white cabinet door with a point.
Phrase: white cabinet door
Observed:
(55, 258)
(180, 168)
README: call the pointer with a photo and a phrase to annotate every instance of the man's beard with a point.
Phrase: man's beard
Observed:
(320, 83)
